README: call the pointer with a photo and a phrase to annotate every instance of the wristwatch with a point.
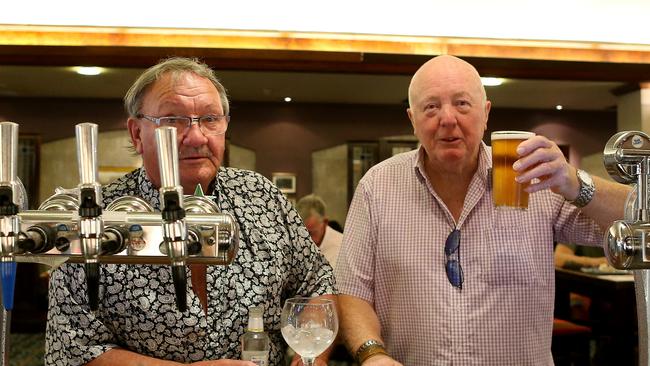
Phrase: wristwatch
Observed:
(587, 189)
(368, 349)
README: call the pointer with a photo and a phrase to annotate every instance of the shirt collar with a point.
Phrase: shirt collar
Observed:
(146, 188)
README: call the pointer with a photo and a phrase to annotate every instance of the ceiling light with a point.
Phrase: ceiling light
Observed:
(287, 99)
(88, 70)
(559, 107)
(490, 81)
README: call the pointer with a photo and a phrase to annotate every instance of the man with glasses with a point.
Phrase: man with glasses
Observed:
(137, 322)
(430, 273)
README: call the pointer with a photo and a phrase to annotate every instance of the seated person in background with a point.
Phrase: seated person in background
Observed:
(137, 322)
(312, 210)
(573, 256)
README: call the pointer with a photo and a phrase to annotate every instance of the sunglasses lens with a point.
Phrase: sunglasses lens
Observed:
(452, 267)
(453, 241)
(454, 273)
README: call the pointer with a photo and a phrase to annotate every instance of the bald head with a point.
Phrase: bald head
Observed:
(440, 68)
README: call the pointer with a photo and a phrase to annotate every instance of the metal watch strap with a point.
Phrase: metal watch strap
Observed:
(586, 192)
(368, 349)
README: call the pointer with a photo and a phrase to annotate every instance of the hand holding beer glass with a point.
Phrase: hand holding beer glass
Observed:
(506, 192)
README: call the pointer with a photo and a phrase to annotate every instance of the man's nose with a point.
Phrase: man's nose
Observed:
(193, 136)
(447, 115)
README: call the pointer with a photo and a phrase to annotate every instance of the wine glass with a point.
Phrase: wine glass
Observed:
(309, 325)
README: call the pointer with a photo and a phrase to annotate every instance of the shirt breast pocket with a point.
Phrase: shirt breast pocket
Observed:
(510, 257)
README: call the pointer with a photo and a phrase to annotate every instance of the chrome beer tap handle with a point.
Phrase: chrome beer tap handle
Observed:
(91, 227)
(627, 160)
(173, 213)
(220, 240)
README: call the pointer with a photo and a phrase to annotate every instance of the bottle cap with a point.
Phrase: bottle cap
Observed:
(256, 319)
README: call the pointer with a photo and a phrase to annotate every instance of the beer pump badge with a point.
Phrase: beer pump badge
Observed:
(637, 141)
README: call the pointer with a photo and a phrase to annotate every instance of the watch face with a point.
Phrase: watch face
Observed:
(585, 177)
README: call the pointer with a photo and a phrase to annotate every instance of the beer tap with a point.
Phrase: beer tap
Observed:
(627, 242)
(9, 219)
(71, 226)
(173, 214)
(627, 160)
(9, 226)
(91, 227)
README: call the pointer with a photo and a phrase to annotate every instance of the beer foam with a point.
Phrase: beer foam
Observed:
(511, 135)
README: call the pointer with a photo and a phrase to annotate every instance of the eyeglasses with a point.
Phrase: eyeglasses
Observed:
(209, 125)
(452, 252)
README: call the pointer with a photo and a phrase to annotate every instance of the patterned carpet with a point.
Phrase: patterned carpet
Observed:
(26, 349)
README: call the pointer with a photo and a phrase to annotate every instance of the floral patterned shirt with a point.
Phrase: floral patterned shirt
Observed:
(137, 311)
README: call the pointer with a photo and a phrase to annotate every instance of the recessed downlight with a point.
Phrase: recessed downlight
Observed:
(88, 70)
(491, 81)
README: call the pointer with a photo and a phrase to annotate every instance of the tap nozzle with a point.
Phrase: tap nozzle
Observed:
(173, 213)
(91, 226)
(175, 238)
(90, 235)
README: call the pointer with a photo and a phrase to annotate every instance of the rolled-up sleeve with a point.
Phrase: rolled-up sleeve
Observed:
(356, 261)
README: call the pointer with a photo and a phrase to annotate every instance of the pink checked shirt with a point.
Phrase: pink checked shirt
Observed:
(393, 256)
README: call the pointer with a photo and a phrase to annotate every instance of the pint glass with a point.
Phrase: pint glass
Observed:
(506, 192)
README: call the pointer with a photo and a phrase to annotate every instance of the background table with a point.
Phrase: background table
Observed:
(612, 313)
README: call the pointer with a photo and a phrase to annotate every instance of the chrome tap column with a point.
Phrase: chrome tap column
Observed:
(173, 213)
(627, 242)
(9, 226)
(9, 219)
(91, 227)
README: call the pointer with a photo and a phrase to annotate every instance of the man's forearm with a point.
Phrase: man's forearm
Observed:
(118, 356)
(359, 322)
(608, 203)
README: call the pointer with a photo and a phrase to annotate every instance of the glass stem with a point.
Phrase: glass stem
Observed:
(308, 361)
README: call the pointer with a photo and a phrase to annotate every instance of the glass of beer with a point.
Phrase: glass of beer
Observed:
(506, 192)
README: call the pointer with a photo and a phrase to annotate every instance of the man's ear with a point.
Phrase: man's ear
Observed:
(410, 114)
(488, 106)
(134, 132)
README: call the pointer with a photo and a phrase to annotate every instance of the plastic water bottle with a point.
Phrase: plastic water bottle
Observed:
(255, 343)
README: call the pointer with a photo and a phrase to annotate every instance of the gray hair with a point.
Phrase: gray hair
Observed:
(310, 204)
(176, 66)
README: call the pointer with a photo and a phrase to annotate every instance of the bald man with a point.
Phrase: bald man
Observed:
(407, 295)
